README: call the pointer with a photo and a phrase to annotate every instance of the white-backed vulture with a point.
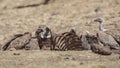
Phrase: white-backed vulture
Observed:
(105, 37)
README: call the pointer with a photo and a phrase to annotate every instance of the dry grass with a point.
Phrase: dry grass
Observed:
(60, 16)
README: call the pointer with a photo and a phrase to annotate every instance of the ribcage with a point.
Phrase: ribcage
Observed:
(66, 41)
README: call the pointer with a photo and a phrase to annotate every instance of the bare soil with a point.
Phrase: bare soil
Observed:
(57, 59)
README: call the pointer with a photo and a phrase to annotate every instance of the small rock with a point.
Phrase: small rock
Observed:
(81, 63)
(16, 53)
(73, 58)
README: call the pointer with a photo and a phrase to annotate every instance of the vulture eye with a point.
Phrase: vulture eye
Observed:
(47, 29)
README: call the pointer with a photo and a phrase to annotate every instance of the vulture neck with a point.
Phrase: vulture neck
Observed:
(101, 26)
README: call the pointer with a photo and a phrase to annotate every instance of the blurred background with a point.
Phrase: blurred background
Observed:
(19, 16)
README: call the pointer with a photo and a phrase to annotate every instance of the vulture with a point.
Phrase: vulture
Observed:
(40, 39)
(96, 46)
(85, 44)
(17, 42)
(109, 40)
(43, 35)
(32, 45)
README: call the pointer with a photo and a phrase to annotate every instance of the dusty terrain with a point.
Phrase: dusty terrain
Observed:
(60, 16)
(49, 59)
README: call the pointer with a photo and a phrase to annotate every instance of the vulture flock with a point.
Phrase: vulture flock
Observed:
(104, 42)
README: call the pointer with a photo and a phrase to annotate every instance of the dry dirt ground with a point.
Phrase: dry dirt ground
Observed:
(57, 59)
(60, 16)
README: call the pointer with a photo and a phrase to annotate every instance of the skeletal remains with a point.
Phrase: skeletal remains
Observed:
(44, 39)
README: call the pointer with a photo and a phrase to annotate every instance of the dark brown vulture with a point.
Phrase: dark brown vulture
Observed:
(96, 46)
(43, 35)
